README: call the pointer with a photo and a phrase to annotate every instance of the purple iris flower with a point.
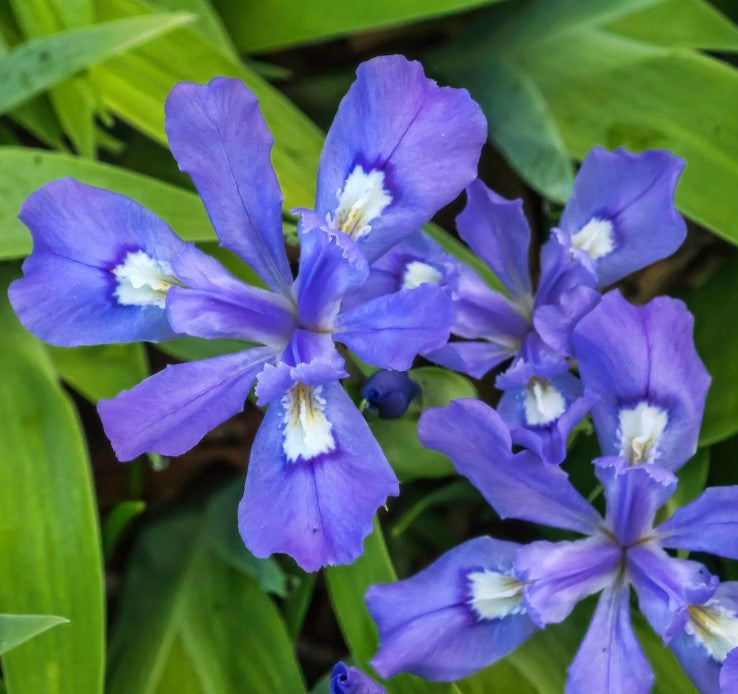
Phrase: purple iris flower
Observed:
(620, 218)
(543, 581)
(104, 269)
(350, 680)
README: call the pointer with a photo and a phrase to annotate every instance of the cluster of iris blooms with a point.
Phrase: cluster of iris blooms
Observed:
(106, 270)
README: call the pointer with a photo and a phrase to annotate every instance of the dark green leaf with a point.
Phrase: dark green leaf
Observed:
(117, 523)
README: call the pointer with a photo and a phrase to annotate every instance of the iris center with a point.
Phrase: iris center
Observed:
(417, 273)
(142, 280)
(543, 403)
(361, 201)
(307, 432)
(641, 428)
(595, 237)
(714, 627)
(494, 595)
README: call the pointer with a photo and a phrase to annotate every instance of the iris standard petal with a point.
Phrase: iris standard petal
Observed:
(458, 615)
(498, 232)
(610, 660)
(399, 149)
(299, 506)
(520, 486)
(100, 267)
(391, 330)
(214, 304)
(642, 363)
(708, 524)
(219, 137)
(474, 358)
(667, 586)
(621, 212)
(557, 575)
(172, 410)
(331, 266)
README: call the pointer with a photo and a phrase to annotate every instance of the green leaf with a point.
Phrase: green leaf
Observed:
(16, 629)
(347, 586)
(100, 371)
(222, 527)
(50, 532)
(38, 64)
(265, 26)
(31, 168)
(607, 88)
(117, 523)
(399, 437)
(188, 622)
(135, 86)
(716, 340)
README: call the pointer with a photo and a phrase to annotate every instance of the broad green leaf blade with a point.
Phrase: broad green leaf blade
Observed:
(522, 126)
(16, 629)
(347, 586)
(265, 26)
(716, 339)
(135, 86)
(38, 64)
(188, 622)
(100, 371)
(607, 88)
(31, 168)
(50, 559)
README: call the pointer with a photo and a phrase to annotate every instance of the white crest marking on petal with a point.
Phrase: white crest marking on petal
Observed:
(543, 403)
(307, 431)
(143, 280)
(361, 201)
(714, 627)
(417, 273)
(641, 428)
(494, 595)
(595, 237)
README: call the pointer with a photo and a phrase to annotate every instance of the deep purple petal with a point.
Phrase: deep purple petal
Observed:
(634, 194)
(643, 357)
(667, 586)
(633, 495)
(391, 330)
(300, 507)
(331, 265)
(473, 358)
(428, 625)
(219, 137)
(215, 304)
(697, 663)
(521, 486)
(708, 524)
(425, 140)
(351, 680)
(729, 673)
(560, 273)
(557, 575)
(497, 231)
(554, 323)
(610, 659)
(172, 410)
(81, 234)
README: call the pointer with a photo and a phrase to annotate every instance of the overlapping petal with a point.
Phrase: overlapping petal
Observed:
(520, 486)
(645, 356)
(300, 507)
(422, 140)
(621, 211)
(219, 137)
(81, 234)
(427, 624)
(172, 410)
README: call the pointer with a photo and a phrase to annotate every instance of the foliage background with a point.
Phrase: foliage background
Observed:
(132, 578)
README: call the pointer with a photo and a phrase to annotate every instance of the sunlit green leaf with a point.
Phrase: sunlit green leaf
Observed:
(50, 559)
